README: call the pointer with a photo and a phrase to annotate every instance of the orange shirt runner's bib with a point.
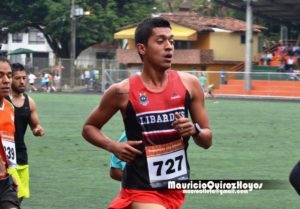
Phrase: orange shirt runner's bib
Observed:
(7, 145)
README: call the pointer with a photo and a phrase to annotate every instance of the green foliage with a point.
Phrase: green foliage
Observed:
(52, 18)
(202, 7)
(133, 11)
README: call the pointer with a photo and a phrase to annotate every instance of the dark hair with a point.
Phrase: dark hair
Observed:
(17, 67)
(144, 29)
(4, 59)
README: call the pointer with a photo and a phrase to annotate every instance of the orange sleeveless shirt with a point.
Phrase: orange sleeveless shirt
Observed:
(7, 129)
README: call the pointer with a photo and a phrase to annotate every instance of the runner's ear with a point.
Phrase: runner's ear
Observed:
(141, 48)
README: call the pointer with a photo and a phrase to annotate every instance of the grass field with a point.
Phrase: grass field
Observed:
(252, 140)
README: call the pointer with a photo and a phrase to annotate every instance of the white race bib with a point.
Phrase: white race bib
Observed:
(166, 162)
(9, 146)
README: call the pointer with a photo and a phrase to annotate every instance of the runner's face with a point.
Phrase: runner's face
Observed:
(5, 79)
(19, 81)
(159, 50)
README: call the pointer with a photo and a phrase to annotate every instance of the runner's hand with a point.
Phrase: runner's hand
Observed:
(125, 150)
(183, 125)
(38, 131)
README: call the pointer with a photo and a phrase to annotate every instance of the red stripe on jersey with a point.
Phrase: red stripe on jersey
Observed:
(155, 111)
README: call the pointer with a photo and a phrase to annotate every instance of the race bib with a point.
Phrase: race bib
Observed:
(166, 162)
(8, 143)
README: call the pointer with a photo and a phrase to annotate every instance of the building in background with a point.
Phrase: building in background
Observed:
(96, 54)
(31, 49)
(28, 48)
(201, 43)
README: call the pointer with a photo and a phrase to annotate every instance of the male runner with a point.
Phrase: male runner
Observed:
(25, 113)
(8, 193)
(155, 107)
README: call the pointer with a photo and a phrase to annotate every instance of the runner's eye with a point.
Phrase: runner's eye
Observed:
(160, 41)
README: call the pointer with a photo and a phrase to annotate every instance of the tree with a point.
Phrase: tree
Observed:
(52, 18)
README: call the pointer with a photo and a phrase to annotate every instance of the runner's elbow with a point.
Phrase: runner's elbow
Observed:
(85, 131)
(207, 145)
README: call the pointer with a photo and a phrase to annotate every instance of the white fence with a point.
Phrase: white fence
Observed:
(231, 83)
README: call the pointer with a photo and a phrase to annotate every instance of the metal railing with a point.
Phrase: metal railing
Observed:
(97, 75)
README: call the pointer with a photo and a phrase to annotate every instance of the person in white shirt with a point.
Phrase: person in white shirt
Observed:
(290, 64)
(31, 79)
(57, 82)
(46, 78)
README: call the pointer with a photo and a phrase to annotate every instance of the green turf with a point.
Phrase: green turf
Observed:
(252, 140)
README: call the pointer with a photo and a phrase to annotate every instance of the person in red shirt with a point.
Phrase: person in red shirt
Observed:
(155, 107)
(8, 188)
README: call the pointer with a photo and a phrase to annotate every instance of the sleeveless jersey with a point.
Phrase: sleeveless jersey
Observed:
(7, 130)
(22, 117)
(149, 116)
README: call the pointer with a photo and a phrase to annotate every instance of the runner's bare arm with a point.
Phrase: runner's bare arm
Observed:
(116, 174)
(2, 165)
(34, 122)
(113, 100)
(198, 112)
